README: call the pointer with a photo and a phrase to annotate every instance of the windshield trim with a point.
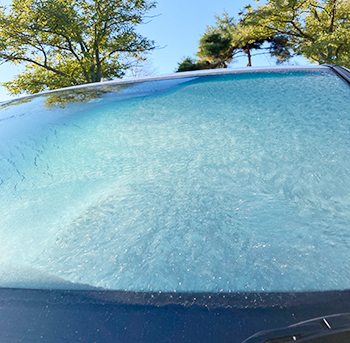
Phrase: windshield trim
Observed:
(182, 75)
(341, 71)
(210, 300)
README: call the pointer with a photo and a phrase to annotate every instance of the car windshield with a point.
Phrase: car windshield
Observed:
(206, 183)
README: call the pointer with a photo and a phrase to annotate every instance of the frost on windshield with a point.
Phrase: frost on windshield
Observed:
(223, 183)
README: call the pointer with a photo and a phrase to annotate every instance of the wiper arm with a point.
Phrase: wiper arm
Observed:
(328, 329)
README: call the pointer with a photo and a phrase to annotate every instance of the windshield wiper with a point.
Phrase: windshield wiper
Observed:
(328, 329)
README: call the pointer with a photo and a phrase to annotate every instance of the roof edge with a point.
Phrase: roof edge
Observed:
(179, 75)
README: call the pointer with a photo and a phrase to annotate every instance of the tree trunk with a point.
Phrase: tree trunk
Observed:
(98, 66)
(246, 50)
(249, 57)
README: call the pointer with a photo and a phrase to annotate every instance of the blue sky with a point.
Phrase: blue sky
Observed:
(176, 28)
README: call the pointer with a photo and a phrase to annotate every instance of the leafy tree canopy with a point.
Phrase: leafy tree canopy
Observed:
(188, 64)
(216, 45)
(70, 42)
(316, 29)
(222, 42)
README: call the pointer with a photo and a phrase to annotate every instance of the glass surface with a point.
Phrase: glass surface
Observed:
(215, 183)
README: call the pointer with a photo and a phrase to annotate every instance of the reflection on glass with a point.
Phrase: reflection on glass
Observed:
(224, 183)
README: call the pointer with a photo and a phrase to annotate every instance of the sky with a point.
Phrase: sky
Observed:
(176, 27)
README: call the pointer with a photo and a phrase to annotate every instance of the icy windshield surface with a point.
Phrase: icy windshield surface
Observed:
(217, 183)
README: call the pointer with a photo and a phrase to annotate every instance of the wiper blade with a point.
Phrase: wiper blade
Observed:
(328, 329)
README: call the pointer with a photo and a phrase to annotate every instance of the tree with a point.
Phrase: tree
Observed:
(70, 42)
(215, 50)
(189, 64)
(222, 42)
(316, 29)
(319, 30)
(215, 46)
(141, 66)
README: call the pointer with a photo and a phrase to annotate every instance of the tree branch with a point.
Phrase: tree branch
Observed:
(45, 66)
(332, 16)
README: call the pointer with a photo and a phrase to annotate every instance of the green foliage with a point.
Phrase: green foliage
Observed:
(215, 47)
(86, 94)
(280, 48)
(220, 43)
(189, 64)
(70, 42)
(316, 29)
